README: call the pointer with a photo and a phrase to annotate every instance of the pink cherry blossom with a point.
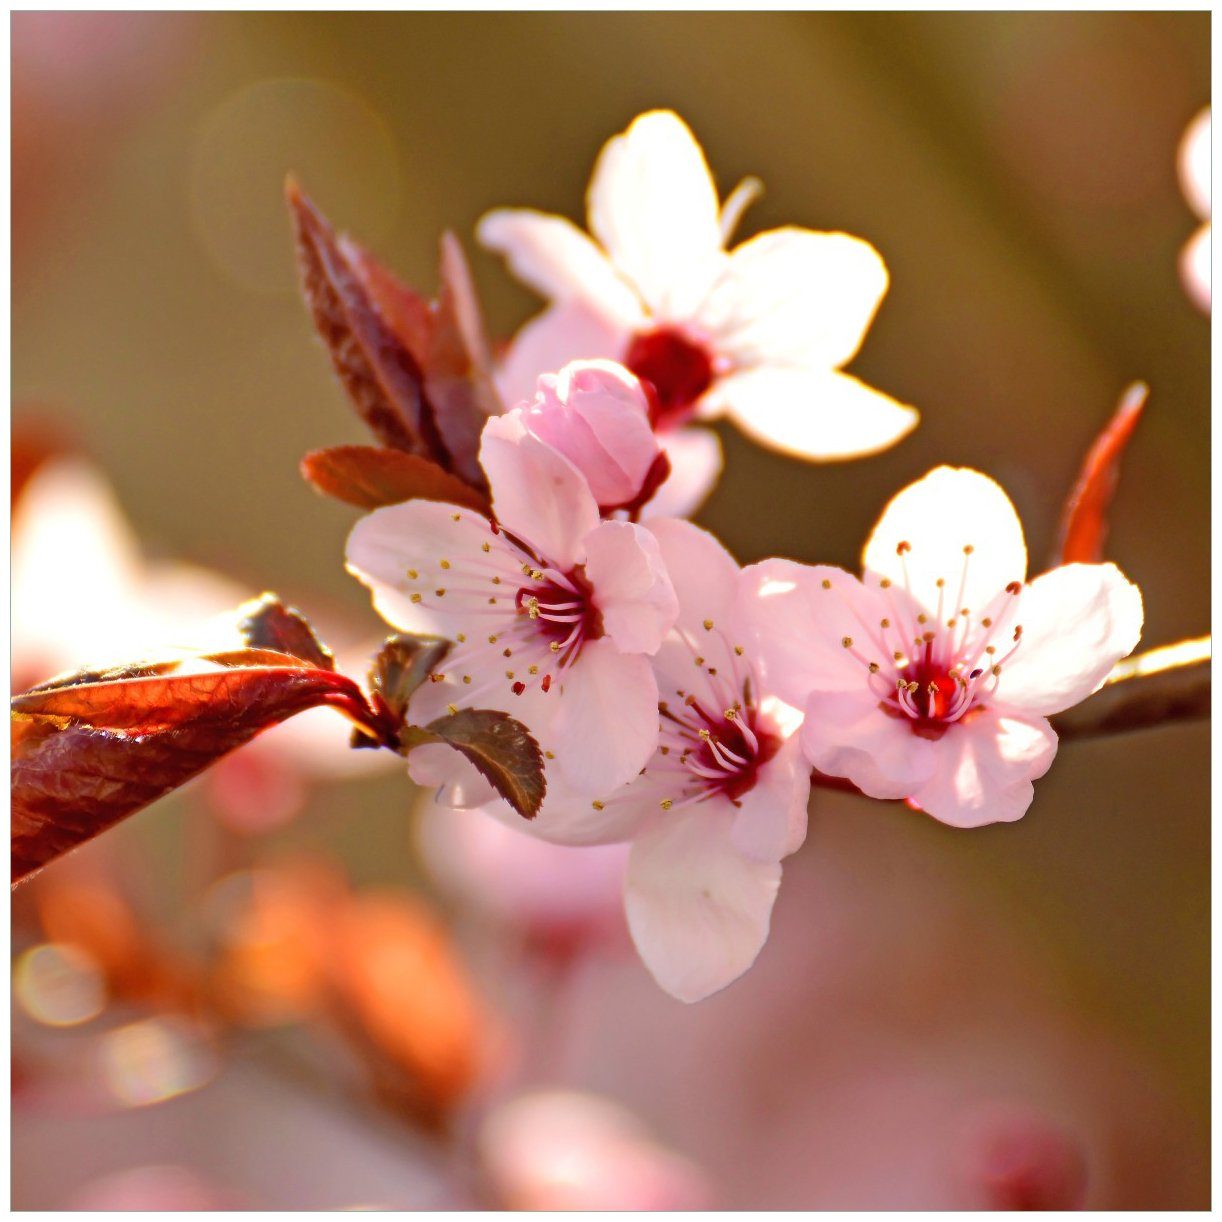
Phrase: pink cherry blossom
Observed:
(933, 677)
(596, 414)
(759, 333)
(721, 801)
(1195, 179)
(554, 612)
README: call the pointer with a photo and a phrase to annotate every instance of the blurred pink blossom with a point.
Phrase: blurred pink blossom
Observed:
(1195, 155)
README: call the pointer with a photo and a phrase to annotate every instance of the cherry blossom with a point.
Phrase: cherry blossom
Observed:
(553, 612)
(721, 801)
(1195, 179)
(596, 414)
(760, 332)
(932, 678)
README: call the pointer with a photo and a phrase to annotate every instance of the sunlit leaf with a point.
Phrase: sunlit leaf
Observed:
(86, 755)
(380, 374)
(266, 623)
(1084, 523)
(369, 478)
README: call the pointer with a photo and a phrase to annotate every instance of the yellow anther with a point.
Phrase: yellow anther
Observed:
(903, 547)
(456, 517)
(453, 708)
(507, 652)
(699, 661)
(551, 755)
(493, 638)
(666, 804)
(534, 670)
(412, 574)
(466, 678)
(847, 642)
(986, 622)
(416, 598)
(441, 593)
(922, 618)
(485, 547)
(873, 668)
(496, 581)
(598, 805)
(827, 585)
(940, 582)
(968, 549)
(884, 623)
(997, 670)
(445, 564)
(555, 647)
(509, 674)
(462, 636)
(436, 677)
(708, 625)
(537, 574)
(738, 649)
(885, 583)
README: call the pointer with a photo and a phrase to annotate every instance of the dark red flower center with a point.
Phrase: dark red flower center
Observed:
(678, 369)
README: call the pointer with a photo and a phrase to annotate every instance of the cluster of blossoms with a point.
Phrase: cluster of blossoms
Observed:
(681, 702)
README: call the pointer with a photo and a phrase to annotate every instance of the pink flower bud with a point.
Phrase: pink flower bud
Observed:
(597, 415)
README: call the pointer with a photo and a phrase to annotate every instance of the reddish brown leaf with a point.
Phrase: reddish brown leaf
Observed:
(268, 624)
(407, 313)
(500, 747)
(1084, 522)
(402, 665)
(88, 755)
(379, 372)
(369, 478)
(458, 364)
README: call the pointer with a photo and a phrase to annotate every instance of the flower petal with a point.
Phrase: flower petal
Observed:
(800, 615)
(390, 544)
(941, 517)
(606, 726)
(796, 297)
(771, 818)
(564, 332)
(569, 816)
(695, 464)
(456, 779)
(698, 909)
(846, 734)
(632, 591)
(984, 768)
(653, 206)
(558, 261)
(1078, 621)
(704, 574)
(818, 416)
(536, 492)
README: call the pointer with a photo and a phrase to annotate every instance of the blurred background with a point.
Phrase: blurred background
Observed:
(291, 985)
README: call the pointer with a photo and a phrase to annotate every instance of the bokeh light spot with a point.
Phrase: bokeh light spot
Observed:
(59, 985)
(154, 1060)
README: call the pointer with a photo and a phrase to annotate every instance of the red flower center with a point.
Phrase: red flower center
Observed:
(678, 369)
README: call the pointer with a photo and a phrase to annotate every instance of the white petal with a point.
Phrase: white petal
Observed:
(558, 261)
(950, 509)
(1194, 163)
(695, 464)
(822, 417)
(653, 206)
(698, 909)
(632, 591)
(389, 544)
(1078, 621)
(606, 727)
(456, 779)
(796, 297)
(771, 819)
(846, 734)
(984, 768)
(536, 492)
(799, 625)
(564, 332)
(569, 816)
(1196, 268)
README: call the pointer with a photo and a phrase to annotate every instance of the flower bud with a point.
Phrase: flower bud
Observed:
(596, 414)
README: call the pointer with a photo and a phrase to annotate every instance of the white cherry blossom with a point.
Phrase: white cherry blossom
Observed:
(1195, 158)
(760, 333)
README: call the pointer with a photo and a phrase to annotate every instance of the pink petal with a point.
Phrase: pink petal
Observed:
(951, 509)
(456, 780)
(1078, 621)
(569, 816)
(813, 414)
(632, 591)
(1196, 268)
(984, 768)
(1194, 163)
(704, 574)
(558, 261)
(606, 727)
(653, 206)
(796, 297)
(695, 464)
(536, 492)
(771, 819)
(596, 414)
(799, 616)
(846, 734)
(387, 545)
(698, 909)
(564, 332)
